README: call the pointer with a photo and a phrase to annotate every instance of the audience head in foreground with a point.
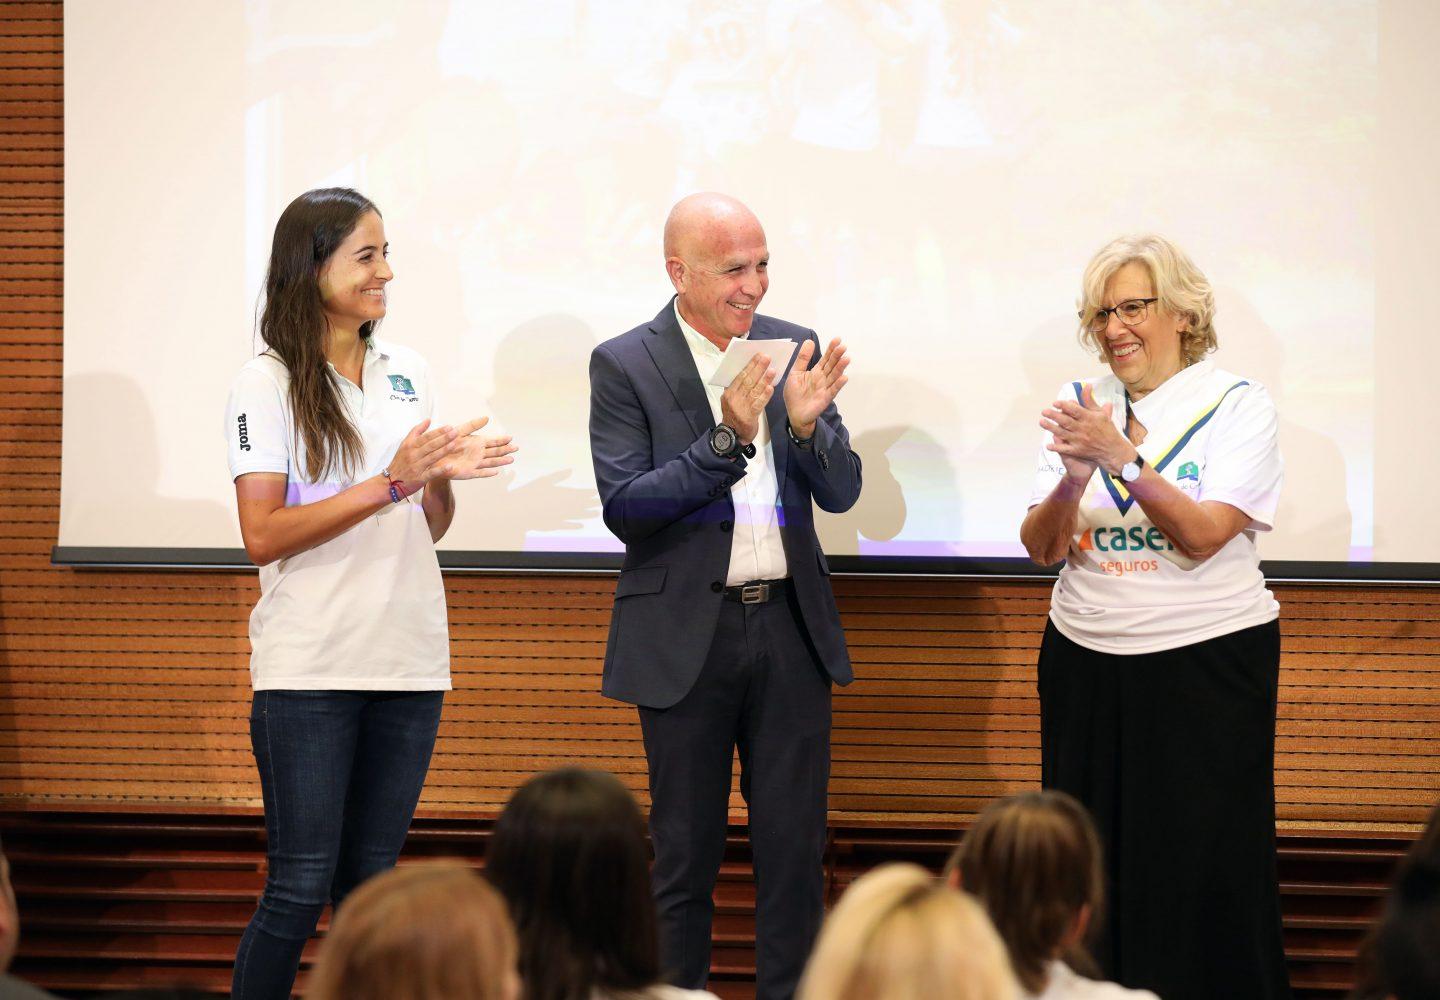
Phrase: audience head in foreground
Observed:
(1034, 863)
(423, 932)
(898, 934)
(1400, 960)
(10, 987)
(9, 915)
(569, 857)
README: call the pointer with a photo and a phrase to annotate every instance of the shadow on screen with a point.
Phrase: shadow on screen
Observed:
(908, 478)
(1313, 520)
(125, 452)
(542, 392)
(1050, 358)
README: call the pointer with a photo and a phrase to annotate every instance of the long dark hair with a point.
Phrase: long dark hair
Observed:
(1399, 957)
(1033, 860)
(569, 857)
(293, 323)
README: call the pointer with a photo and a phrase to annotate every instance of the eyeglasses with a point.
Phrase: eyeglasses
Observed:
(1132, 312)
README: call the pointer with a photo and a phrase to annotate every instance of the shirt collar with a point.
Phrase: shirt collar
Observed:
(699, 345)
(375, 353)
(1172, 387)
(376, 349)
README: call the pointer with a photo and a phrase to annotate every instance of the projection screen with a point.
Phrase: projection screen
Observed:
(932, 177)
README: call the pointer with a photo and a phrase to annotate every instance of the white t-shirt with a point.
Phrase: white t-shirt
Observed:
(366, 610)
(1124, 588)
(1065, 984)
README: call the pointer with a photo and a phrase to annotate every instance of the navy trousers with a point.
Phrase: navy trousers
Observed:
(341, 773)
(763, 692)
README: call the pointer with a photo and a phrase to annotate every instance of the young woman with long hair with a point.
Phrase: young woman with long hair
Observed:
(569, 857)
(434, 931)
(343, 488)
(1400, 957)
(1034, 863)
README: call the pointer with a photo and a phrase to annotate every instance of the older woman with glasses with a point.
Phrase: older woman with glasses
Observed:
(1159, 665)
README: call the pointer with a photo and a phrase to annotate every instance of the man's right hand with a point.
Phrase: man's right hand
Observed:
(745, 397)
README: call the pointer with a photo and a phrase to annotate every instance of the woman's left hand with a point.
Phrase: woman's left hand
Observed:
(1085, 431)
(475, 457)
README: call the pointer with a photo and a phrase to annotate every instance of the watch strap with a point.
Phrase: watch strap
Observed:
(1138, 463)
(804, 444)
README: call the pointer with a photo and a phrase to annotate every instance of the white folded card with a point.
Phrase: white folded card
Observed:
(739, 352)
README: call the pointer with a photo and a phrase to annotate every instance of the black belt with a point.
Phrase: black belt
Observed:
(758, 591)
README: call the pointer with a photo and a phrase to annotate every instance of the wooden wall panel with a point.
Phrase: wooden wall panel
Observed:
(130, 689)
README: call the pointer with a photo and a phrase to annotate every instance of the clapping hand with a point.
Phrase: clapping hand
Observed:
(745, 397)
(1085, 435)
(808, 391)
(417, 460)
(474, 457)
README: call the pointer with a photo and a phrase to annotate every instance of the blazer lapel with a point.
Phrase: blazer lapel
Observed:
(671, 355)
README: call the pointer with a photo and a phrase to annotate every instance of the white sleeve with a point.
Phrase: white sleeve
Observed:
(1243, 466)
(1049, 469)
(257, 435)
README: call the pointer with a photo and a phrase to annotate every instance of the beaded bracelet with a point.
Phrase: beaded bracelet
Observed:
(395, 486)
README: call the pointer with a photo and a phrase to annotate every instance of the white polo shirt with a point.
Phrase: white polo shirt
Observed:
(756, 549)
(366, 610)
(1124, 587)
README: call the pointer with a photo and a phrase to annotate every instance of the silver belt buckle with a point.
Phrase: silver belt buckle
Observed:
(755, 593)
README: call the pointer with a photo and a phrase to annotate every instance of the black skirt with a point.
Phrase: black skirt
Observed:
(1173, 753)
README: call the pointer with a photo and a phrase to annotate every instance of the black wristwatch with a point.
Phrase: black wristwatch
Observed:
(725, 442)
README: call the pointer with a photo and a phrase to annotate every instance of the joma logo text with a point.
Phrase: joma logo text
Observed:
(244, 437)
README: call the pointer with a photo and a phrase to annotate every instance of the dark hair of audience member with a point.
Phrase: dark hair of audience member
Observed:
(569, 856)
(433, 931)
(1400, 958)
(1034, 862)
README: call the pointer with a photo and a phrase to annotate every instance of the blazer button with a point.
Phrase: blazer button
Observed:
(717, 586)
(725, 526)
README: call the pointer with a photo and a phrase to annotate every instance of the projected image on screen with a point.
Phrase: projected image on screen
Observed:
(932, 178)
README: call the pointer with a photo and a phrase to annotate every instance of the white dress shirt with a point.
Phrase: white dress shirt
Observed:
(756, 552)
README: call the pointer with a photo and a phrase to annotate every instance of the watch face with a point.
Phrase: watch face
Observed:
(722, 439)
(1129, 472)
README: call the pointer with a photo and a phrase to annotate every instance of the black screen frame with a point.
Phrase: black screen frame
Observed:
(609, 563)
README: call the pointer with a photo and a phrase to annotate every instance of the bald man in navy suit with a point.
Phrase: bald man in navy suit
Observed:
(724, 632)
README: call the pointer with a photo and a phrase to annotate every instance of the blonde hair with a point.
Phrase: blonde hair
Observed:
(425, 932)
(1181, 287)
(898, 934)
(1033, 860)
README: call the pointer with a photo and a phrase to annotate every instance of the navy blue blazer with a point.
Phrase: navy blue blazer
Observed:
(666, 495)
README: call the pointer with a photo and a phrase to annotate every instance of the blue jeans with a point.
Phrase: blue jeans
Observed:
(340, 772)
